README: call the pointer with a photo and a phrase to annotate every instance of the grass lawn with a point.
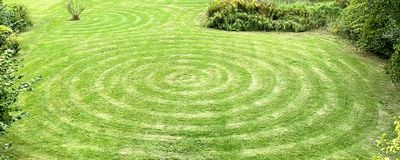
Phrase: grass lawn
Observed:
(145, 80)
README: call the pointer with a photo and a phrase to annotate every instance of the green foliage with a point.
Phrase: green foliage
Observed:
(255, 15)
(9, 78)
(342, 3)
(8, 41)
(75, 8)
(9, 90)
(323, 14)
(350, 24)
(15, 17)
(389, 149)
(394, 66)
(373, 25)
(12, 19)
(20, 19)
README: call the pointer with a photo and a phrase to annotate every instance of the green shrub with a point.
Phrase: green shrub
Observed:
(389, 149)
(8, 40)
(9, 86)
(255, 15)
(394, 66)
(323, 14)
(350, 24)
(5, 32)
(20, 19)
(373, 25)
(15, 17)
(12, 19)
(9, 91)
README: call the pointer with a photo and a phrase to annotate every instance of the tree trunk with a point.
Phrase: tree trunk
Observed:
(75, 18)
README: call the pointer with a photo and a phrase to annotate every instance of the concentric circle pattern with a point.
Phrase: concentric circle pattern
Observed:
(143, 80)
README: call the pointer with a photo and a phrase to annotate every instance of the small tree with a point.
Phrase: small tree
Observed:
(75, 8)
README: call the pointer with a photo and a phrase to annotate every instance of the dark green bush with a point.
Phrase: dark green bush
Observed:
(15, 17)
(12, 19)
(394, 66)
(256, 15)
(20, 18)
(9, 91)
(373, 25)
(323, 14)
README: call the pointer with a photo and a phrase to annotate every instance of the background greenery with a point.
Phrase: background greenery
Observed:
(13, 19)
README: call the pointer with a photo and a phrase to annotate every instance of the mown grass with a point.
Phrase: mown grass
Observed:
(145, 80)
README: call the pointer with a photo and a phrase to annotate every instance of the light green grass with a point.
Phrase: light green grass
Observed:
(145, 80)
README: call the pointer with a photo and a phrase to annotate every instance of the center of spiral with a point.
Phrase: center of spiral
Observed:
(184, 79)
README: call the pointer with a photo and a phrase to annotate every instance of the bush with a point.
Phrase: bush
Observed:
(8, 41)
(20, 19)
(323, 14)
(350, 24)
(373, 25)
(15, 17)
(75, 8)
(394, 66)
(9, 91)
(255, 15)
(389, 149)
(12, 19)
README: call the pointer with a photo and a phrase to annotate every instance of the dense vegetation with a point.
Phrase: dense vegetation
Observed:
(14, 16)
(393, 67)
(12, 19)
(374, 26)
(256, 15)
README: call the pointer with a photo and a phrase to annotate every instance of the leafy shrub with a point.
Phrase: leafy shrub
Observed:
(256, 15)
(8, 40)
(75, 8)
(20, 19)
(9, 91)
(5, 32)
(394, 66)
(389, 149)
(323, 14)
(12, 19)
(350, 24)
(373, 25)
(15, 17)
